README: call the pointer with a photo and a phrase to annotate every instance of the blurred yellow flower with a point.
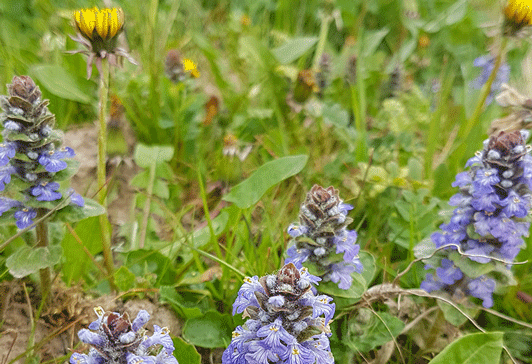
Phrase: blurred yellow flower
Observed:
(190, 66)
(105, 23)
(517, 13)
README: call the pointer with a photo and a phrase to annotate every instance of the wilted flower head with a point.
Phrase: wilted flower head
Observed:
(517, 14)
(32, 154)
(487, 64)
(304, 86)
(177, 69)
(98, 32)
(322, 240)
(286, 323)
(115, 339)
(489, 219)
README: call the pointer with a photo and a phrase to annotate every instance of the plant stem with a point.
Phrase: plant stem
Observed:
(324, 30)
(102, 154)
(44, 273)
(486, 89)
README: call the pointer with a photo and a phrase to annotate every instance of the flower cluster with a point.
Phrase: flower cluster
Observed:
(321, 238)
(31, 153)
(115, 339)
(287, 322)
(489, 219)
(517, 14)
(487, 64)
(98, 32)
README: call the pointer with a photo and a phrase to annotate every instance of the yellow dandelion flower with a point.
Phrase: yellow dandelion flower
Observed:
(190, 66)
(518, 14)
(98, 33)
(105, 23)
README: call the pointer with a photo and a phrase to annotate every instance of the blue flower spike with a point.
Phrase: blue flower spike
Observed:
(287, 323)
(322, 239)
(490, 218)
(115, 339)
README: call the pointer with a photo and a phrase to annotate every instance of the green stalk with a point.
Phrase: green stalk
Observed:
(324, 31)
(361, 147)
(44, 273)
(102, 154)
(486, 89)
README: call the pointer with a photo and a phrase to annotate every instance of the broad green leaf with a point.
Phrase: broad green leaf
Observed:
(124, 279)
(73, 213)
(476, 348)
(185, 353)
(145, 155)
(169, 295)
(293, 49)
(28, 260)
(456, 12)
(250, 191)
(59, 82)
(75, 253)
(335, 115)
(378, 331)
(213, 330)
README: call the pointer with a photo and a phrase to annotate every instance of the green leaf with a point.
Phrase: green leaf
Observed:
(28, 260)
(144, 262)
(145, 155)
(293, 49)
(213, 330)
(470, 268)
(124, 279)
(75, 254)
(73, 213)
(185, 353)
(482, 348)
(377, 331)
(169, 295)
(59, 82)
(249, 192)
(372, 39)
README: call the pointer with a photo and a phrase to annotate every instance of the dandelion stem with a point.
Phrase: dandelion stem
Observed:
(486, 89)
(102, 154)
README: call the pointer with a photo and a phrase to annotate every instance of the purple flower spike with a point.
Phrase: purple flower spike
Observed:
(280, 327)
(7, 151)
(25, 217)
(53, 160)
(482, 288)
(46, 191)
(322, 234)
(7, 204)
(142, 318)
(487, 64)
(113, 336)
(5, 175)
(495, 197)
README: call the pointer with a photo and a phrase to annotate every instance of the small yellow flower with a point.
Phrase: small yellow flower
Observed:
(105, 23)
(190, 66)
(517, 13)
